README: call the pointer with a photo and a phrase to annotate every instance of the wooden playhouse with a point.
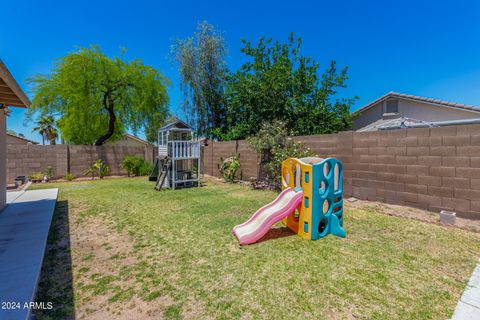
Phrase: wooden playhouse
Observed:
(178, 160)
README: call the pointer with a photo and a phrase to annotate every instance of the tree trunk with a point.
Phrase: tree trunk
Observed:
(52, 139)
(108, 105)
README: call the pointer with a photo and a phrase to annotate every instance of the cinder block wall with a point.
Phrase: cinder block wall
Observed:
(434, 169)
(215, 151)
(28, 159)
(82, 156)
(429, 168)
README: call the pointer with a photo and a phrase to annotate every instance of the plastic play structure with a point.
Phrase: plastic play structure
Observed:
(310, 204)
(178, 160)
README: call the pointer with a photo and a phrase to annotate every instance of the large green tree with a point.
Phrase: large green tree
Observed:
(201, 65)
(96, 98)
(278, 83)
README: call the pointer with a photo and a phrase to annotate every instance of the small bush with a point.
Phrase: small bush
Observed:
(136, 166)
(229, 167)
(146, 168)
(69, 176)
(291, 149)
(103, 169)
(129, 164)
(98, 167)
(49, 172)
(272, 142)
(36, 176)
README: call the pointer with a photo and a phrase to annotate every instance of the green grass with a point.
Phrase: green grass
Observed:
(387, 267)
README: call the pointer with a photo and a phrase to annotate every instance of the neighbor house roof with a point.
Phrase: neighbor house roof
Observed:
(177, 124)
(396, 95)
(404, 122)
(130, 136)
(22, 138)
(10, 92)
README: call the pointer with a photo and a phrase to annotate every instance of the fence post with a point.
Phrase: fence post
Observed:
(213, 149)
(68, 158)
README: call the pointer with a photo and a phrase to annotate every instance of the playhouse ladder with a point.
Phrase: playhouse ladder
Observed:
(163, 174)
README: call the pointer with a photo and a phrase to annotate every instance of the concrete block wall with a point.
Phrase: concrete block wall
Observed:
(82, 156)
(214, 151)
(429, 168)
(28, 159)
(433, 169)
(251, 169)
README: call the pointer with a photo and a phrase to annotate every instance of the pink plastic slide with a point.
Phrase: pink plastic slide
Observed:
(258, 225)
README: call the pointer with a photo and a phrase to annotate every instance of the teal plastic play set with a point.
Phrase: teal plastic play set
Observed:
(311, 203)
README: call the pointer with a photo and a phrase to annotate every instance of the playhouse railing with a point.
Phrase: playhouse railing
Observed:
(184, 149)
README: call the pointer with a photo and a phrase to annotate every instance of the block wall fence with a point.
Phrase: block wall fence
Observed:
(23, 160)
(429, 168)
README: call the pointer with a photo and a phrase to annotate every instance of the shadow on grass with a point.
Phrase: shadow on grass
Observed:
(56, 279)
(277, 233)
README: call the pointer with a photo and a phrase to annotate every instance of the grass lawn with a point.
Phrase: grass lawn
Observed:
(118, 249)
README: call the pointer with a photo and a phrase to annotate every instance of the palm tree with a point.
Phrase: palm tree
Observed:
(52, 135)
(46, 128)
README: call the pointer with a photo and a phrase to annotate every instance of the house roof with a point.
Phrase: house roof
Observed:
(177, 124)
(397, 95)
(22, 138)
(404, 122)
(135, 138)
(10, 92)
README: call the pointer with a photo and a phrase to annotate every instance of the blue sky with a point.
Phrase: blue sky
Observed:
(427, 48)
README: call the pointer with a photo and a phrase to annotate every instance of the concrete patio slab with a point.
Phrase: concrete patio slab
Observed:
(465, 312)
(24, 226)
(12, 195)
(469, 305)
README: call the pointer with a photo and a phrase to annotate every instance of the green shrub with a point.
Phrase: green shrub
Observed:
(103, 169)
(49, 172)
(146, 168)
(270, 135)
(98, 167)
(128, 164)
(274, 145)
(291, 149)
(36, 176)
(229, 167)
(136, 166)
(69, 176)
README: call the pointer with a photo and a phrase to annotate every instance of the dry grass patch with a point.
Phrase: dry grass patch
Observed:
(412, 213)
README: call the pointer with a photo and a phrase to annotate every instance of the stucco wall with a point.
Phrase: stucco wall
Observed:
(126, 142)
(414, 110)
(16, 140)
(3, 159)
(368, 116)
(428, 112)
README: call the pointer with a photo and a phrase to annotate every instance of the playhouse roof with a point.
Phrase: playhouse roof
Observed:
(177, 124)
